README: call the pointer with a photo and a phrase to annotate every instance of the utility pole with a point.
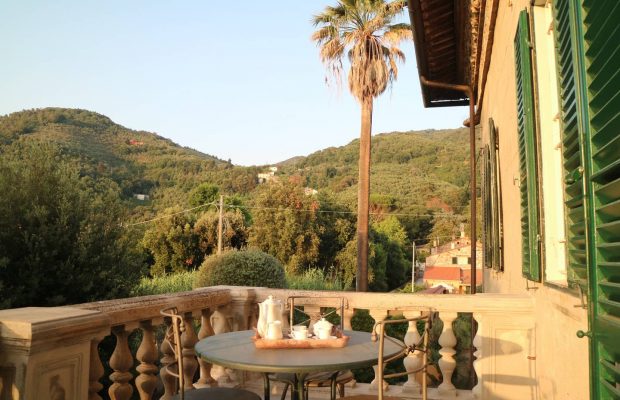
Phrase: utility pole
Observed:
(219, 226)
(413, 269)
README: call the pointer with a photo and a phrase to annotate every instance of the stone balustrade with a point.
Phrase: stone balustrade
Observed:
(52, 353)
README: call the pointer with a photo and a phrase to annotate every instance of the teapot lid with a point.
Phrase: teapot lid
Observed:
(323, 323)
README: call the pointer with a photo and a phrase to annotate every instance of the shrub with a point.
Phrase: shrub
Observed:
(171, 283)
(241, 268)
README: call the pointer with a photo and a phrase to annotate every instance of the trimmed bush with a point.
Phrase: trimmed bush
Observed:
(241, 268)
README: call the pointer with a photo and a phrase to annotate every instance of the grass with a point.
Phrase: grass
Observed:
(179, 282)
(314, 279)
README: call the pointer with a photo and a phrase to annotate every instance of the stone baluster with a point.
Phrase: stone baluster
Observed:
(347, 317)
(221, 322)
(414, 360)
(121, 362)
(188, 340)
(147, 355)
(314, 313)
(378, 315)
(477, 342)
(447, 363)
(167, 358)
(206, 330)
(95, 371)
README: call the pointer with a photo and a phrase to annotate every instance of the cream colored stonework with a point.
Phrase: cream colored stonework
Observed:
(559, 359)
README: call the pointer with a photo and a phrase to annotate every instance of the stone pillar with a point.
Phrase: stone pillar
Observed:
(46, 352)
(413, 360)
(378, 315)
(121, 362)
(206, 330)
(147, 355)
(447, 363)
(188, 340)
(96, 370)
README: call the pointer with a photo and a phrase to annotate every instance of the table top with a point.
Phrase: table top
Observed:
(236, 350)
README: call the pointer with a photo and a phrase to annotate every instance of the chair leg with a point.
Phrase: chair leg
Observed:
(284, 390)
(266, 388)
(332, 389)
(341, 389)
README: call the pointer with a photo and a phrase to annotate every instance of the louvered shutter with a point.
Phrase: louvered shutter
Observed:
(497, 229)
(527, 151)
(601, 45)
(571, 149)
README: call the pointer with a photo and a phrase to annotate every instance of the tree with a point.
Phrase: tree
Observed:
(61, 235)
(204, 193)
(285, 225)
(234, 232)
(172, 243)
(364, 30)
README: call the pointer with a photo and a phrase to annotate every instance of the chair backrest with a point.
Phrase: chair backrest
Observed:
(379, 333)
(336, 302)
(173, 336)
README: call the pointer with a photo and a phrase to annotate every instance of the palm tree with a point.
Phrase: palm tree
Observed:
(364, 30)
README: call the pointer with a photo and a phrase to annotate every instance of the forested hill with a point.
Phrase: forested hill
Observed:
(410, 171)
(139, 162)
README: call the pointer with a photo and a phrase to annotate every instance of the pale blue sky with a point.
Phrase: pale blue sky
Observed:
(238, 80)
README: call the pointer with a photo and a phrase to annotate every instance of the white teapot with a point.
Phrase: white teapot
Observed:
(323, 329)
(269, 311)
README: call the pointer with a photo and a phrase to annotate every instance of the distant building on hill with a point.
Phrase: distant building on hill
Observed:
(268, 176)
(141, 197)
(451, 264)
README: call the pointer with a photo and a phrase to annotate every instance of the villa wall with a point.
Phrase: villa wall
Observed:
(560, 361)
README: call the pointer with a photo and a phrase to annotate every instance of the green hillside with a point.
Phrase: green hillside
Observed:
(410, 171)
(139, 162)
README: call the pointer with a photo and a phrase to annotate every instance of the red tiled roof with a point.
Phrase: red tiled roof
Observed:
(467, 276)
(446, 273)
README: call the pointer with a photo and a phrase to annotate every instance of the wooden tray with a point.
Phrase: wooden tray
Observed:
(339, 341)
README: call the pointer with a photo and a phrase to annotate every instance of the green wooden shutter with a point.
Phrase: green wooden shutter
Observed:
(527, 151)
(492, 225)
(571, 149)
(497, 230)
(601, 46)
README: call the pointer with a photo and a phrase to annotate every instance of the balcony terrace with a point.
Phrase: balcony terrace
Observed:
(52, 353)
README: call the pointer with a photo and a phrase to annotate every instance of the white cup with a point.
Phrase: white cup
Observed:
(300, 334)
(274, 330)
(324, 333)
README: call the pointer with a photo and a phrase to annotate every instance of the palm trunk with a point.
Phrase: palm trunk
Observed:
(363, 197)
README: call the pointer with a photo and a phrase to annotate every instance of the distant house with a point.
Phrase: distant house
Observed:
(141, 197)
(446, 276)
(268, 176)
(454, 279)
(135, 142)
(455, 252)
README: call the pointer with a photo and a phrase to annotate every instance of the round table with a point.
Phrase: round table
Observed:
(237, 351)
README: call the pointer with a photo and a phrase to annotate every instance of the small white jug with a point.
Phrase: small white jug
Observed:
(274, 330)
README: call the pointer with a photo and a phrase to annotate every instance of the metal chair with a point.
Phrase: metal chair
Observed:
(334, 379)
(422, 346)
(173, 335)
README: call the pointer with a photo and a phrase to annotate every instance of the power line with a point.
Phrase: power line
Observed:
(443, 215)
(169, 215)
(342, 212)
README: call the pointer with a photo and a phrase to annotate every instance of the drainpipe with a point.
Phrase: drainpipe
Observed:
(472, 163)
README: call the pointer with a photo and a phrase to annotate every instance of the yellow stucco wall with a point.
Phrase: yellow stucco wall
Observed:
(561, 359)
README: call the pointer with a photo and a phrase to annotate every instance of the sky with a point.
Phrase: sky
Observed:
(240, 81)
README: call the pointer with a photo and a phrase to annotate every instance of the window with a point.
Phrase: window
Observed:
(492, 232)
(528, 180)
(455, 260)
